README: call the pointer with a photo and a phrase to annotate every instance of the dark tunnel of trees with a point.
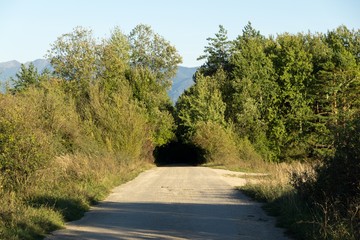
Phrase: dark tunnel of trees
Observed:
(177, 152)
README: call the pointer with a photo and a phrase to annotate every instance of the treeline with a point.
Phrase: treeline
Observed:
(68, 136)
(285, 95)
(293, 97)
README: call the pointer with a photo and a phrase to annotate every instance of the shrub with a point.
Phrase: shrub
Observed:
(24, 146)
(119, 123)
(218, 142)
(247, 151)
(337, 187)
(333, 192)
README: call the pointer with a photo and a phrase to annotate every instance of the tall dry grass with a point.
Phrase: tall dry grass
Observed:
(303, 219)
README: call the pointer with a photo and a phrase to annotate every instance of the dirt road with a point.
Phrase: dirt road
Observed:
(177, 202)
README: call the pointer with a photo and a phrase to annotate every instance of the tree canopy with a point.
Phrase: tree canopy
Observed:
(284, 94)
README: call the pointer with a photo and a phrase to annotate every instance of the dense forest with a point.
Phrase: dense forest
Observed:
(68, 136)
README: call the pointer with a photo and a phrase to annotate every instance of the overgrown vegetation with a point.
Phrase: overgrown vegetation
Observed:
(259, 101)
(68, 137)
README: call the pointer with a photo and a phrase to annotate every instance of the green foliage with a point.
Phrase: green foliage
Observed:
(201, 103)
(294, 68)
(293, 97)
(29, 76)
(334, 192)
(144, 60)
(153, 97)
(67, 138)
(284, 94)
(73, 56)
(114, 61)
(150, 50)
(24, 146)
(118, 122)
(218, 143)
(217, 53)
(253, 95)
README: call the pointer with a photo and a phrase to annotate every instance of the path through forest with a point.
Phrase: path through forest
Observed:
(177, 202)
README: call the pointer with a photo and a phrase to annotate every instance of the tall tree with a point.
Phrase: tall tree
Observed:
(153, 62)
(342, 73)
(293, 64)
(201, 103)
(150, 50)
(253, 89)
(154, 98)
(115, 54)
(114, 62)
(217, 53)
(74, 57)
(29, 76)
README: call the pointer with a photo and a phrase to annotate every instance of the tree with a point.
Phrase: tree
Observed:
(114, 62)
(253, 89)
(293, 65)
(28, 76)
(150, 50)
(341, 74)
(201, 103)
(154, 98)
(74, 58)
(115, 54)
(335, 84)
(217, 53)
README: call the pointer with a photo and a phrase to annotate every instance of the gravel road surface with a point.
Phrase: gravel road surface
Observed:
(177, 202)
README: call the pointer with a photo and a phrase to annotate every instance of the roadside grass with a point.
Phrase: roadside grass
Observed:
(281, 200)
(301, 219)
(243, 165)
(63, 192)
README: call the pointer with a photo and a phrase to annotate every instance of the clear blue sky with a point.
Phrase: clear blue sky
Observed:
(28, 27)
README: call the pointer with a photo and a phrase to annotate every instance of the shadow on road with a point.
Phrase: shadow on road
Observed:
(168, 221)
(174, 203)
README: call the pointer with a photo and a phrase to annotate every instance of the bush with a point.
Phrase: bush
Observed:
(218, 143)
(24, 146)
(337, 187)
(333, 192)
(119, 123)
(54, 164)
(247, 151)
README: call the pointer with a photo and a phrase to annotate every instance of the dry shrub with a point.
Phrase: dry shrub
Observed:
(81, 167)
(278, 181)
(25, 147)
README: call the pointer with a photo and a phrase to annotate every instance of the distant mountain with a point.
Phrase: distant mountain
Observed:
(9, 69)
(181, 81)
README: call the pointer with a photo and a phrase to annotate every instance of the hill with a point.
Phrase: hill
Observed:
(181, 81)
(9, 69)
